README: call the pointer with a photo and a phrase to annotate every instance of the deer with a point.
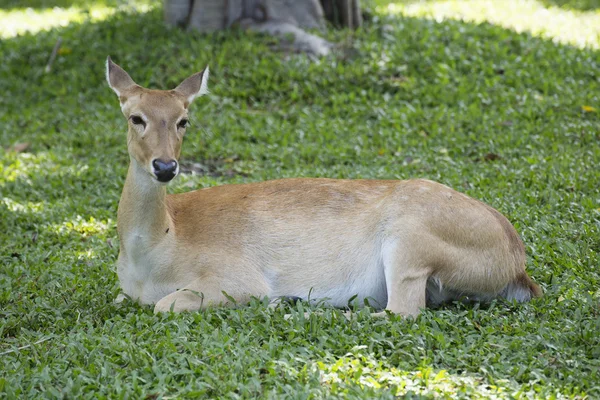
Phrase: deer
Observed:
(398, 245)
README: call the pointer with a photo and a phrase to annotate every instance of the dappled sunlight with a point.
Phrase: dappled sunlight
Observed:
(87, 254)
(24, 208)
(23, 165)
(85, 227)
(18, 21)
(27, 166)
(578, 28)
(367, 371)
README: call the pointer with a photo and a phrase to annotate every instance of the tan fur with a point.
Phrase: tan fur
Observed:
(381, 240)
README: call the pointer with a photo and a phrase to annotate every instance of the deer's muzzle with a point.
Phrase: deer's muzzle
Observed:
(164, 170)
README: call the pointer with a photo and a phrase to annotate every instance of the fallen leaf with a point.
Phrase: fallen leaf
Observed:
(19, 147)
(491, 157)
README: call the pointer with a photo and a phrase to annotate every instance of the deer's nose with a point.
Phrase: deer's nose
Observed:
(164, 170)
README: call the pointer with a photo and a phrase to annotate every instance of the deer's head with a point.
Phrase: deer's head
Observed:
(157, 119)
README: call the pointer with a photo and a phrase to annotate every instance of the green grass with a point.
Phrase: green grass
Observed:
(496, 114)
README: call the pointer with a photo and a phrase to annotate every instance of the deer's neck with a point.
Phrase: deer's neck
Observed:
(143, 218)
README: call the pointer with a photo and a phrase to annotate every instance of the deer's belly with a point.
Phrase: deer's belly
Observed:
(335, 281)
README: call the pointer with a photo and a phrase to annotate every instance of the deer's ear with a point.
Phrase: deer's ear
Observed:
(117, 78)
(194, 86)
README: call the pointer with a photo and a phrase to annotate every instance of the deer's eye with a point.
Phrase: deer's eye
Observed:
(183, 123)
(137, 120)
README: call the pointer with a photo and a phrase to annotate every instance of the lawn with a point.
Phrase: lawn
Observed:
(506, 112)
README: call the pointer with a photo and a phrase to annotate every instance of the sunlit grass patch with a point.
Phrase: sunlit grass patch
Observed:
(18, 21)
(26, 166)
(22, 207)
(85, 227)
(579, 28)
(369, 372)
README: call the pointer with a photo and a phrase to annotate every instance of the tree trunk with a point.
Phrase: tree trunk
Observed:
(276, 17)
(343, 13)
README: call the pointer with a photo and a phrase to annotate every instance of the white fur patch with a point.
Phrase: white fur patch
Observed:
(108, 78)
(203, 86)
(514, 291)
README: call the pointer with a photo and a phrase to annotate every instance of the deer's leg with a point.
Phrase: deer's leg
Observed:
(189, 299)
(203, 293)
(406, 294)
(406, 272)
